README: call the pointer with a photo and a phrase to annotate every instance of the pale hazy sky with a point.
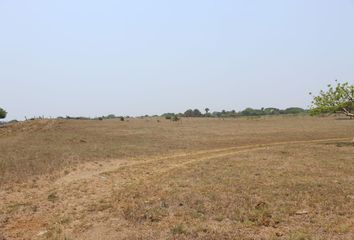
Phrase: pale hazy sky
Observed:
(135, 57)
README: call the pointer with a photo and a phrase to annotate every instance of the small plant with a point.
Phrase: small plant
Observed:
(178, 229)
(122, 119)
(168, 117)
(52, 197)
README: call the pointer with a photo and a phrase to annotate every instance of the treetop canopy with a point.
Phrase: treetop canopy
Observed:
(337, 98)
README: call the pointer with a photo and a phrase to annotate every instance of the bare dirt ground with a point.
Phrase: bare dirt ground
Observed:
(268, 178)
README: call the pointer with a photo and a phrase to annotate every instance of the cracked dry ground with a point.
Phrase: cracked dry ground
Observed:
(299, 189)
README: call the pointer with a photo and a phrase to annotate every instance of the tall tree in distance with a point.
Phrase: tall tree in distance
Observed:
(188, 113)
(197, 113)
(337, 98)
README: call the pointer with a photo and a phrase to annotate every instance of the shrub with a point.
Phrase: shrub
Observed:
(178, 229)
(175, 118)
(3, 113)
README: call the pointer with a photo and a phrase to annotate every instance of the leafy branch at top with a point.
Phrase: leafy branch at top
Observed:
(337, 98)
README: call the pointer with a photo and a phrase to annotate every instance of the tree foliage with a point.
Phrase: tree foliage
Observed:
(188, 113)
(192, 113)
(3, 113)
(337, 98)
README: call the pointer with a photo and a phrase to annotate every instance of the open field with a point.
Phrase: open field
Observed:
(264, 178)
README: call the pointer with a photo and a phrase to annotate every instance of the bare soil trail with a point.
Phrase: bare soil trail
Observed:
(177, 160)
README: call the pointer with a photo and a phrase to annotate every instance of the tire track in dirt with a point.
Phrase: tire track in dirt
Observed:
(192, 157)
(225, 152)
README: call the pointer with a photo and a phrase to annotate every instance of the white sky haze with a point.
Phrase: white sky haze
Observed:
(93, 58)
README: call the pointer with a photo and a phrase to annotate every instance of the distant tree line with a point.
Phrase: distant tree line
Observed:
(110, 116)
(192, 113)
(233, 113)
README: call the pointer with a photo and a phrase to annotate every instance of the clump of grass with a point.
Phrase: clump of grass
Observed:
(300, 236)
(139, 212)
(178, 229)
(53, 197)
(100, 206)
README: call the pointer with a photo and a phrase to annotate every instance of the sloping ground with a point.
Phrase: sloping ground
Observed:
(199, 179)
(11, 129)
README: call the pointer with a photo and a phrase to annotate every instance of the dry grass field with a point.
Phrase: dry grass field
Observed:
(263, 178)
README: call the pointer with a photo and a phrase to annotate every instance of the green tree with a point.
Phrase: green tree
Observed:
(111, 116)
(337, 98)
(251, 112)
(293, 110)
(188, 113)
(192, 113)
(3, 113)
(207, 111)
(197, 113)
(271, 111)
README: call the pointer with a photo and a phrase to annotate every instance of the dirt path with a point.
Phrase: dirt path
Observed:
(40, 209)
(111, 166)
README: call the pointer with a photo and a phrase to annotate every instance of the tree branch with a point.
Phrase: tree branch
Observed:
(347, 113)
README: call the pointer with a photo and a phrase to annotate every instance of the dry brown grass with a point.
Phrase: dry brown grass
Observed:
(46, 146)
(200, 179)
(261, 194)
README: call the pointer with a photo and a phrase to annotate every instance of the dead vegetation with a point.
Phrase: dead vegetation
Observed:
(202, 179)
